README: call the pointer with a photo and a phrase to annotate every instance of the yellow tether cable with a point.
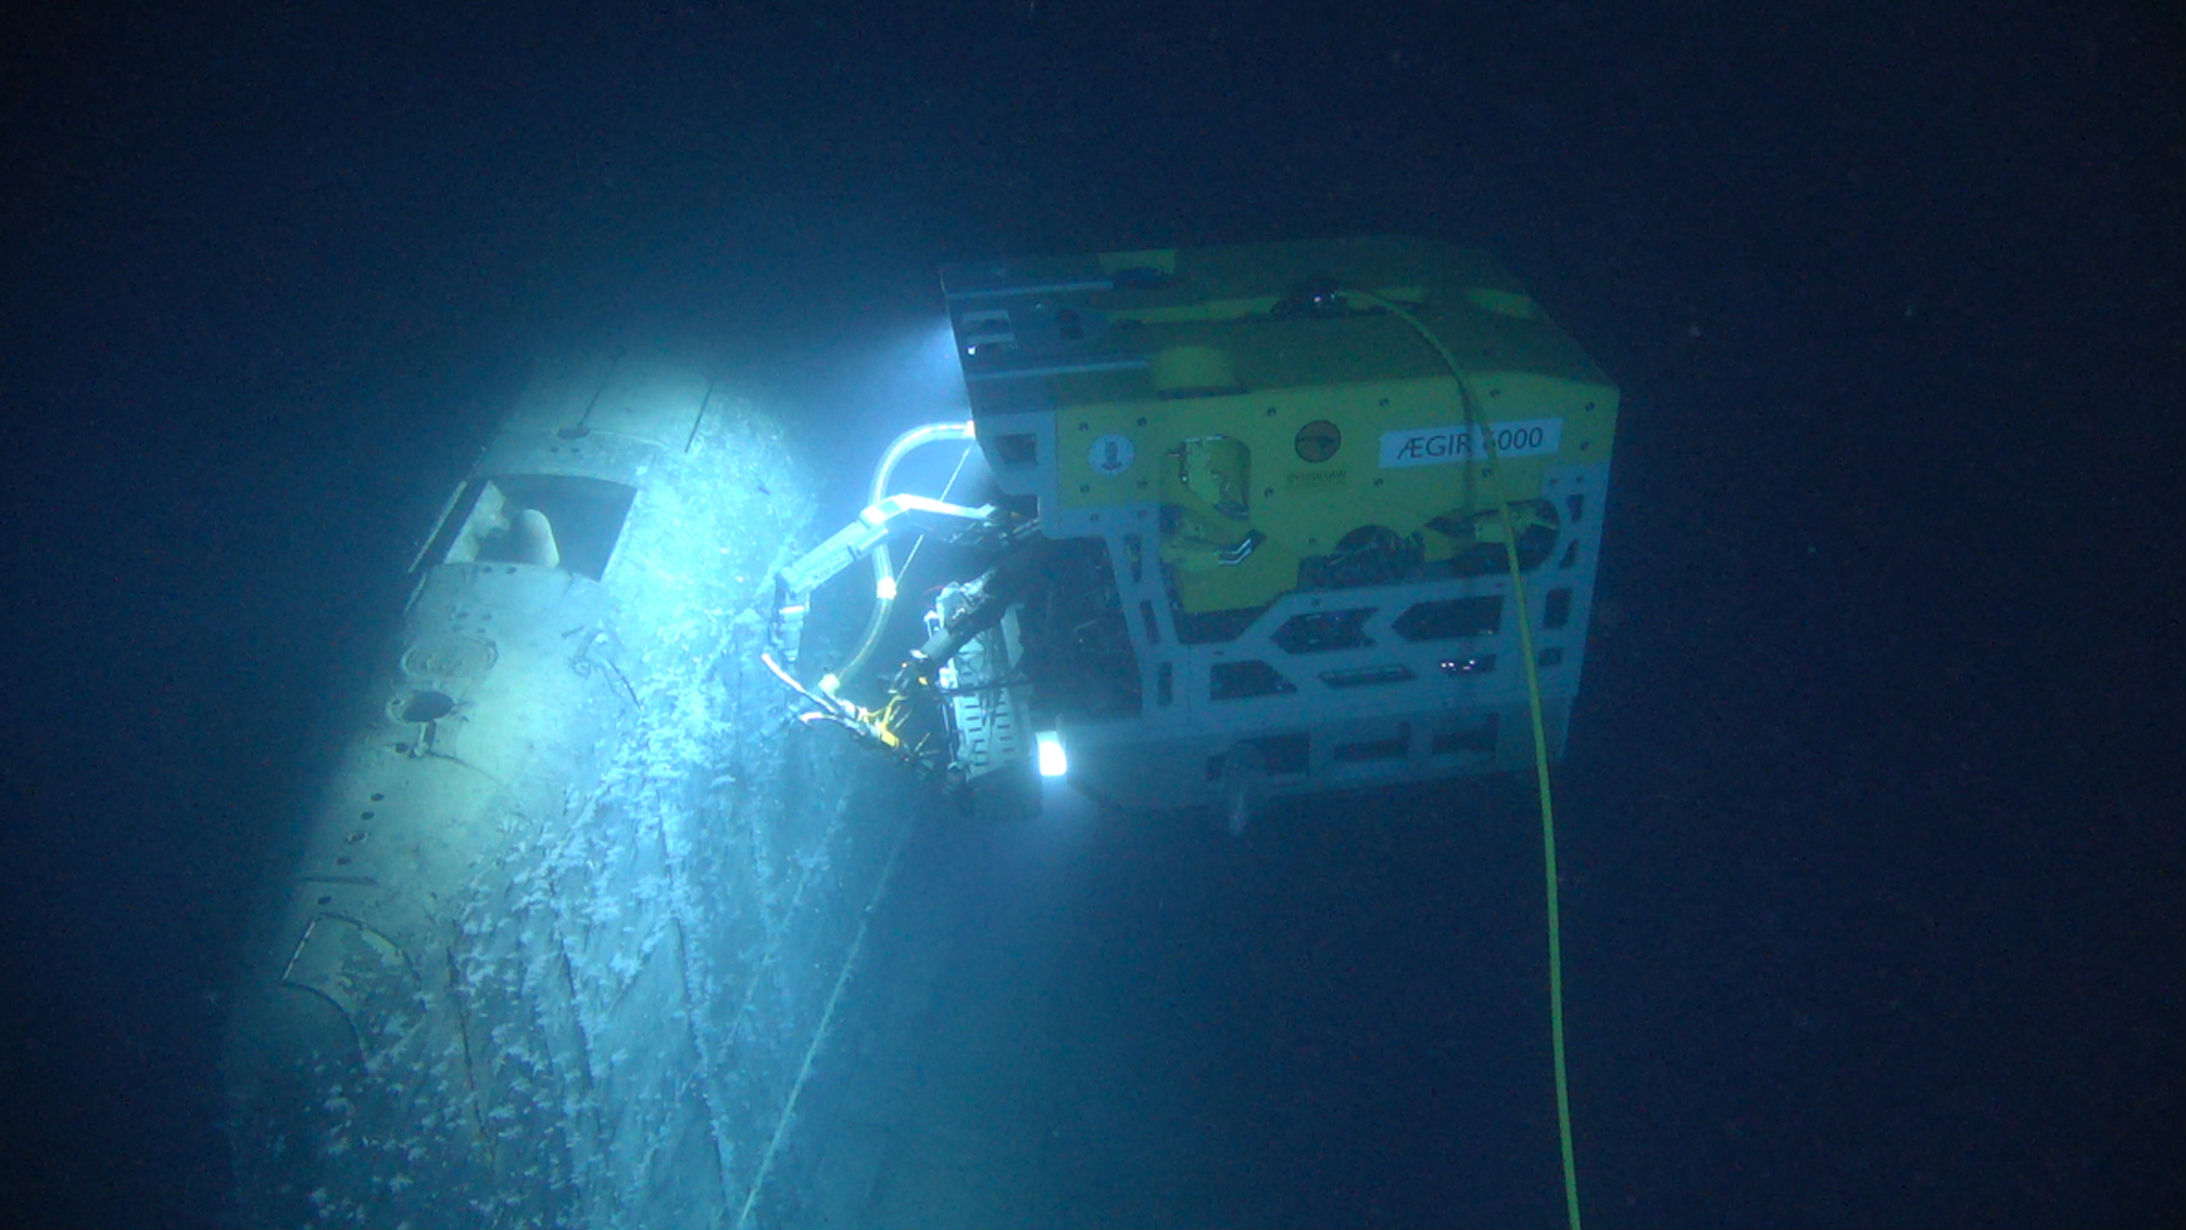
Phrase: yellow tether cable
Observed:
(1474, 418)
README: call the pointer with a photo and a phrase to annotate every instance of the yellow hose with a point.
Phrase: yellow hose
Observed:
(1474, 418)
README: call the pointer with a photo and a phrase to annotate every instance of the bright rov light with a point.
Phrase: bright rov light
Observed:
(1052, 761)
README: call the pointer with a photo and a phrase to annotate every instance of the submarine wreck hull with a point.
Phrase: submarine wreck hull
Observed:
(568, 914)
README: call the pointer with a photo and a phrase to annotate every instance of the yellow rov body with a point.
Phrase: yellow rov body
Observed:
(1278, 480)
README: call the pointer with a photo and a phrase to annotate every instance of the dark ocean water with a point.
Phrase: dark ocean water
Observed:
(1872, 864)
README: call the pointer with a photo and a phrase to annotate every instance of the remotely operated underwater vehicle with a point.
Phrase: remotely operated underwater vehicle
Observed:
(1250, 532)
(575, 909)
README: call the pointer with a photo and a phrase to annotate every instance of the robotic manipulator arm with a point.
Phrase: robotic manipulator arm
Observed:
(931, 677)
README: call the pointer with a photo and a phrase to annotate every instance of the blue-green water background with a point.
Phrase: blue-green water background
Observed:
(1872, 838)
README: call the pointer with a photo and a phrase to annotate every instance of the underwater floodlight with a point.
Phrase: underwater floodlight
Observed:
(1052, 761)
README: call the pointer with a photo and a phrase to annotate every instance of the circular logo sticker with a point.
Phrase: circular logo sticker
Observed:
(1111, 455)
(1318, 440)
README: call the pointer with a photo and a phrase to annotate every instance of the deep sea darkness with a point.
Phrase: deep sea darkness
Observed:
(1872, 867)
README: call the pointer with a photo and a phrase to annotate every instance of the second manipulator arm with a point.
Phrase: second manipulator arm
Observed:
(794, 584)
(964, 676)
(976, 607)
